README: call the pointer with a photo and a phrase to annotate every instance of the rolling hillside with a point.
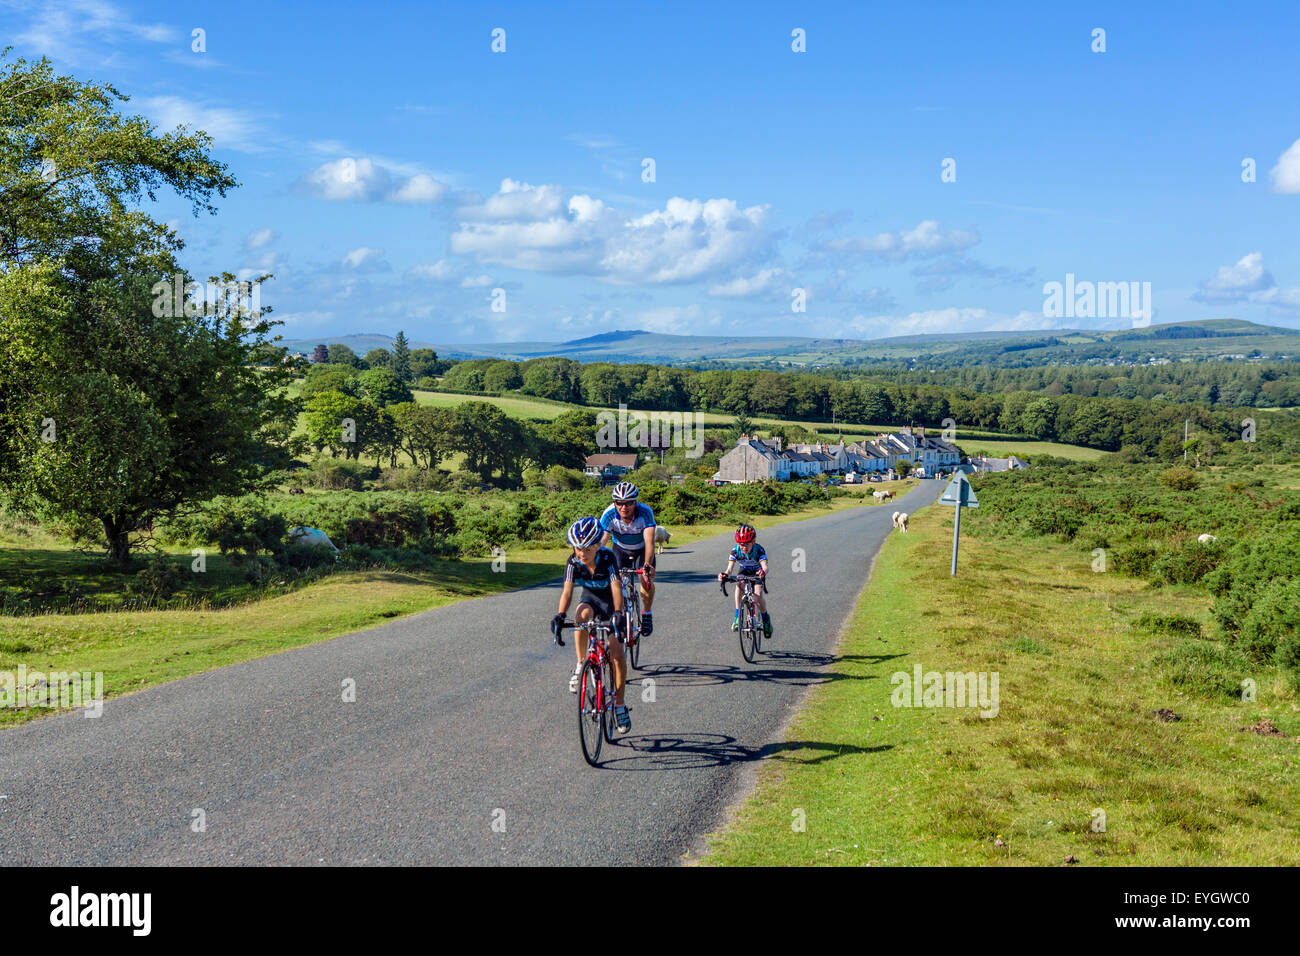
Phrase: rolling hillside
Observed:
(1211, 339)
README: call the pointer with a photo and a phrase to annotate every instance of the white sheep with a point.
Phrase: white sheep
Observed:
(662, 536)
(878, 495)
(1207, 539)
(900, 520)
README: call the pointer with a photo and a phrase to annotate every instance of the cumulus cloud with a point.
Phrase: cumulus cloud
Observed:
(365, 259)
(1238, 282)
(927, 239)
(524, 227)
(1285, 176)
(518, 201)
(475, 282)
(360, 179)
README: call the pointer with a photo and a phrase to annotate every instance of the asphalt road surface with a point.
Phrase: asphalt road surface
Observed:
(461, 746)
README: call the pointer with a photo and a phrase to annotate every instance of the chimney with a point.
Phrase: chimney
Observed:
(920, 431)
(742, 440)
(778, 442)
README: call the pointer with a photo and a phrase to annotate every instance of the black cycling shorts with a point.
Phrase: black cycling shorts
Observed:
(601, 605)
(628, 560)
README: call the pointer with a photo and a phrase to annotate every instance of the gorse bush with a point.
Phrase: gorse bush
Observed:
(1150, 524)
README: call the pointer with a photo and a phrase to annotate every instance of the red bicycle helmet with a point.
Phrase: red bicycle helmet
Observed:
(744, 534)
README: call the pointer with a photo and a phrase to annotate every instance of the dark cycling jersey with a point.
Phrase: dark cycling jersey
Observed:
(598, 581)
(628, 535)
(748, 561)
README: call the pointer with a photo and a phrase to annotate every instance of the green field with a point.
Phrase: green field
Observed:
(974, 441)
(858, 781)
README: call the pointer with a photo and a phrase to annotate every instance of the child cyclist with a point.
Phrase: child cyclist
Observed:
(593, 568)
(750, 557)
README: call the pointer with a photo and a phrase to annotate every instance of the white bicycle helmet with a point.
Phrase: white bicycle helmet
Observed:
(625, 491)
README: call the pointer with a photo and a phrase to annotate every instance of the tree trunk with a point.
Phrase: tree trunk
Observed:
(119, 541)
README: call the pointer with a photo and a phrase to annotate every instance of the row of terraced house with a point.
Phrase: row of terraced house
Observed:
(764, 459)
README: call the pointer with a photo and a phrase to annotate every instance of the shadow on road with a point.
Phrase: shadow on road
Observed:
(701, 751)
(697, 675)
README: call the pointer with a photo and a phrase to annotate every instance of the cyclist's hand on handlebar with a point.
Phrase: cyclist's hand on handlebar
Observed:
(556, 623)
(722, 576)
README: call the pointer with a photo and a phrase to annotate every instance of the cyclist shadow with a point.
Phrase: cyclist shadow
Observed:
(701, 675)
(684, 577)
(703, 751)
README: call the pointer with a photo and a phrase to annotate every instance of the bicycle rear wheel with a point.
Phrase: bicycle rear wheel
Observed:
(747, 634)
(608, 716)
(633, 644)
(591, 717)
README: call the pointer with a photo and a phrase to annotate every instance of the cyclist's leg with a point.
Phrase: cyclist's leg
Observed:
(647, 587)
(582, 614)
(620, 667)
(760, 598)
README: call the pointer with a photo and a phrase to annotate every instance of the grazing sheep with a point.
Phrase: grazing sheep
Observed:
(662, 537)
(900, 521)
(887, 494)
(896, 514)
(878, 495)
(1207, 539)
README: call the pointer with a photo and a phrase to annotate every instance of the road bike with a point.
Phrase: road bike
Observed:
(595, 688)
(632, 610)
(751, 621)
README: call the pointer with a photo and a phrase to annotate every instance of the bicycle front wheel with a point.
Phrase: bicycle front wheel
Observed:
(747, 634)
(591, 713)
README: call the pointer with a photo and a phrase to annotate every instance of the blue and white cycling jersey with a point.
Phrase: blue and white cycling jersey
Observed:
(748, 561)
(628, 535)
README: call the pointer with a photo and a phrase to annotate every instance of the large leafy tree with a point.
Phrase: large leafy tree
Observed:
(112, 410)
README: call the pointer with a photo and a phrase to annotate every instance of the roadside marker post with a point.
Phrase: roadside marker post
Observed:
(960, 495)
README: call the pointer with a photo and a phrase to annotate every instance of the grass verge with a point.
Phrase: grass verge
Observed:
(1081, 679)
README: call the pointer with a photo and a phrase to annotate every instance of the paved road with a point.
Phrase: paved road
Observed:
(462, 719)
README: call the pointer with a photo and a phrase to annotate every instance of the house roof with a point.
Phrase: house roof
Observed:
(604, 459)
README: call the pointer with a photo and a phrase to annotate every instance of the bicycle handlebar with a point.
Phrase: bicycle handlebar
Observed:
(598, 626)
(760, 578)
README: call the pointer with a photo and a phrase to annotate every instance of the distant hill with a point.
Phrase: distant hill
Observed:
(1209, 339)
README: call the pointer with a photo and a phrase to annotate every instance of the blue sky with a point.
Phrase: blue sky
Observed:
(395, 170)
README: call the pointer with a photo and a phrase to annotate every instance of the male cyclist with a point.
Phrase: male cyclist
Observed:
(629, 527)
(592, 568)
(749, 555)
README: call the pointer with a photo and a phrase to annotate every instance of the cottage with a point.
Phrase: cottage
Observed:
(609, 467)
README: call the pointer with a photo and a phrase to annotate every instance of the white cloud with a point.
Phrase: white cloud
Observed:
(1236, 283)
(365, 259)
(229, 129)
(359, 179)
(517, 200)
(259, 238)
(420, 188)
(686, 240)
(765, 281)
(927, 239)
(475, 282)
(1285, 176)
(57, 31)
(440, 271)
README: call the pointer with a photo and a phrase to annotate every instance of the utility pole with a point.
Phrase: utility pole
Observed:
(1186, 422)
